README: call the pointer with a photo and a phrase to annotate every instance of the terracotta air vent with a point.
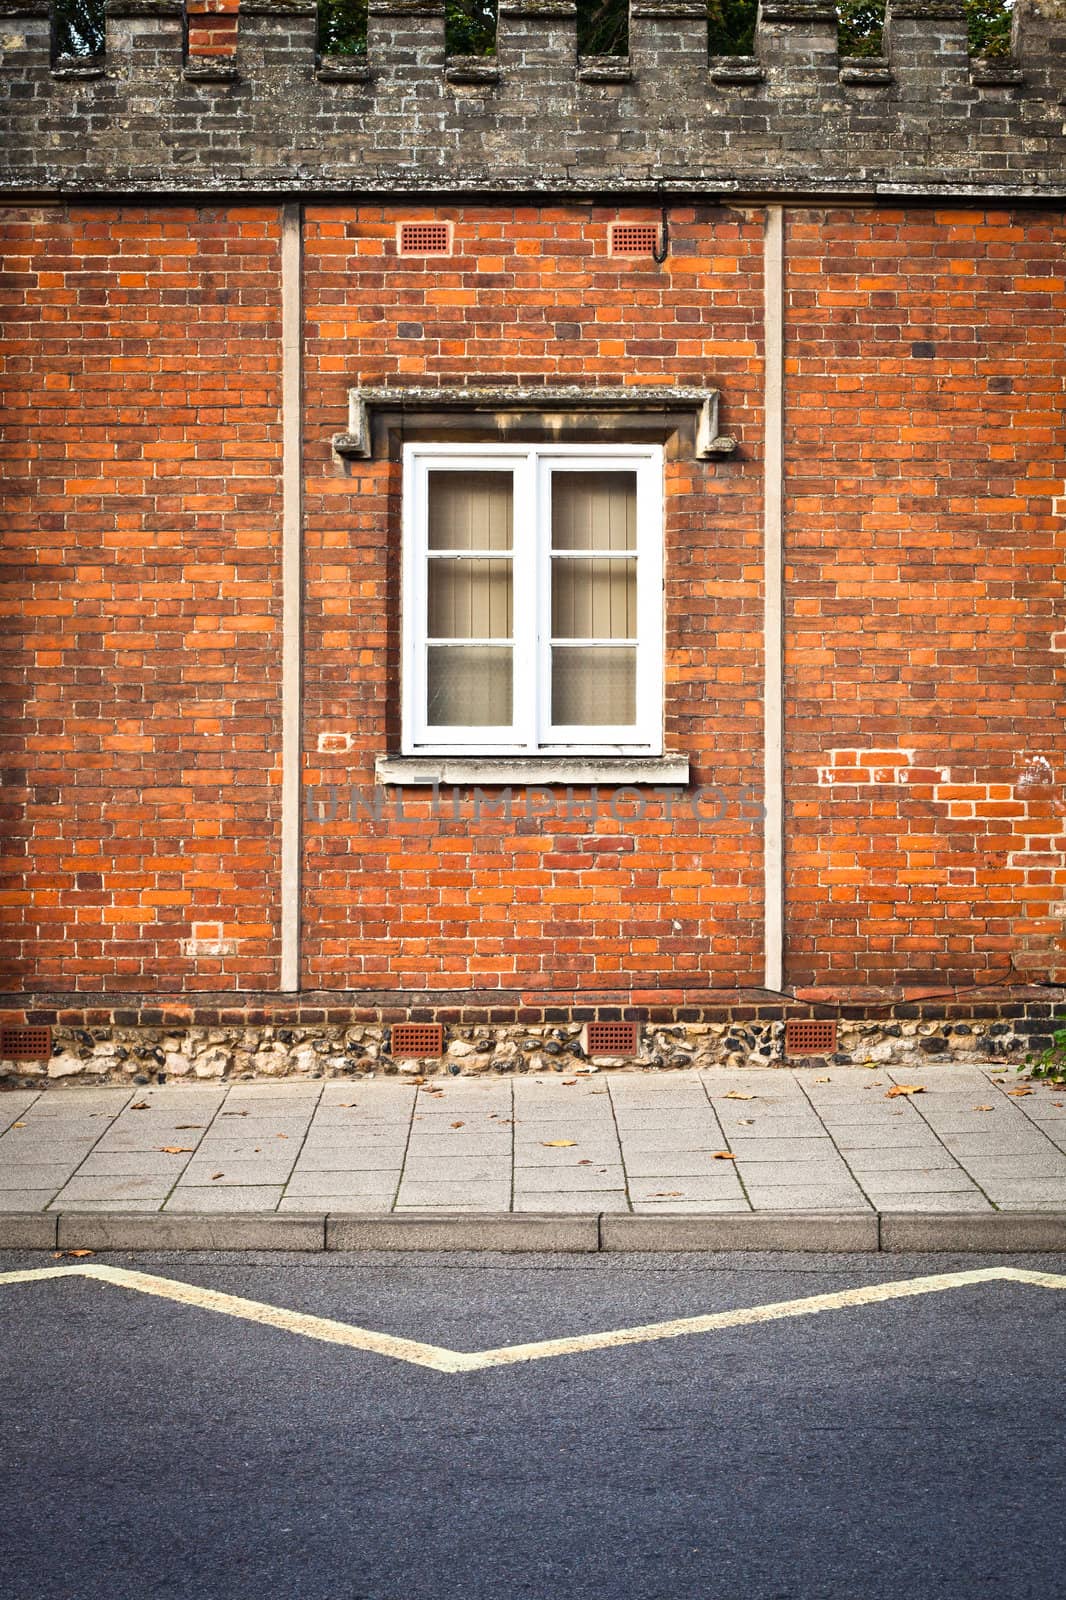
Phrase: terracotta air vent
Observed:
(418, 1039)
(25, 1044)
(632, 238)
(806, 1038)
(612, 1038)
(424, 238)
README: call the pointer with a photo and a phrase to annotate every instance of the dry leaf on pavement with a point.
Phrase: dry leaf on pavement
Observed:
(18, 1124)
(1018, 1093)
(458, 1124)
(823, 1080)
(982, 1108)
(176, 1149)
(568, 1083)
(180, 1127)
(215, 1175)
(558, 1144)
(735, 1094)
(57, 1255)
(905, 1088)
(722, 1155)
(139, 1105)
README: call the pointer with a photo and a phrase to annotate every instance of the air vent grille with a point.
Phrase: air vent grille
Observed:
(424, 238)
(632, 238)
(25, 1044)
(807, 1038)
(418, 1039)
(612, 1038)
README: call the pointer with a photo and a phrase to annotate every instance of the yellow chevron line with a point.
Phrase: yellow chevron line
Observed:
(440, 1359)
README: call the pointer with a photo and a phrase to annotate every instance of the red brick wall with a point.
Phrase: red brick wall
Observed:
(926, 533)
(530, 296)
(925, 536)
(141, 639)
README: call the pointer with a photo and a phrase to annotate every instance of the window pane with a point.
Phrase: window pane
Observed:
(594, 599)
(469, 686)
(469, 599)
(470, 510)
(593, 687)
(594, 510)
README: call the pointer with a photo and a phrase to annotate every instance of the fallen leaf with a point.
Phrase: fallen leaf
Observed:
(823, 1080)
(176, 1149)
(57, 1255)
(458, 1124)
(735, 1094)
(180, 1127)
(982, 1108)
(722, 1155)
(18, 1124)
(585, 1162)
(558, 1144)
(223, 1113)
(904, 1088)
(667, 1194)
(346, 1105)
(568, 1083)
(215, 1175)
(281, 1136)
(1017, 1094)
(747, 1122)
(139, 1105)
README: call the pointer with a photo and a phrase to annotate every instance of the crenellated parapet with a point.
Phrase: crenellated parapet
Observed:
(230, 96)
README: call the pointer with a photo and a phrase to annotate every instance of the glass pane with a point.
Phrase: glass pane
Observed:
(594, 599)
(470, 510)
(593, 687)
(469, 686)
(469, 599)
(594, 510)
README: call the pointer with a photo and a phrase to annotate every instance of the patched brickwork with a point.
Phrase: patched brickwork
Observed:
(927, 555)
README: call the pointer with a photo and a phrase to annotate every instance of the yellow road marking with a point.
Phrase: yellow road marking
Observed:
(440, 1359)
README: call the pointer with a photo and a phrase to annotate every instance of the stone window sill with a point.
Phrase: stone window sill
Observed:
(486, 771)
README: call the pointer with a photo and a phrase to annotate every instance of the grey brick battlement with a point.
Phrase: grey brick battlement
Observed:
(790, 120)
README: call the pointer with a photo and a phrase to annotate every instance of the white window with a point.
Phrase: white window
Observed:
(532, 600)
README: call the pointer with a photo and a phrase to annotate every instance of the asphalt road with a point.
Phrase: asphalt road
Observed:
(914, 1448)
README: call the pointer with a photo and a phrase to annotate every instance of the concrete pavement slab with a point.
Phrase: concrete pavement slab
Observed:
(815, 1197)
(942, 1181)
(113, 1191)
(249, 1198)
(343, 1183)
(22, 1200)
(494, 1197)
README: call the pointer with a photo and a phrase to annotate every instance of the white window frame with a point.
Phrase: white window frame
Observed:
(531, 733)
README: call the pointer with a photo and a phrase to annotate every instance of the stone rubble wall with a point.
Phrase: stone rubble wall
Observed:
(167, 1054)
(255, 111)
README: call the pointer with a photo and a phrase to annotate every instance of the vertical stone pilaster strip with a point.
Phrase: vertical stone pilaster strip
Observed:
(291, 588)
(773, 601)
